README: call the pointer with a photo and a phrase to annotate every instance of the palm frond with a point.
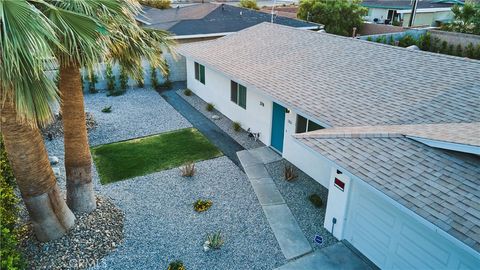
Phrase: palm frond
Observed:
(25, 49)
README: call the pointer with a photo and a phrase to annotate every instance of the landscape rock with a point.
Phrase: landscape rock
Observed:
(85, 244)
(53, 160)
(215, 117)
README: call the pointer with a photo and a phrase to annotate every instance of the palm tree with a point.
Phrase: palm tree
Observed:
(115, 35)
(26, 96)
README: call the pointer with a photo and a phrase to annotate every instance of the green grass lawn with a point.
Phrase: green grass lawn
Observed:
(123, 160)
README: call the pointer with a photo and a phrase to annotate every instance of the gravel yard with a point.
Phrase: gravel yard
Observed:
(161, 225)
(296, 194)
(224, 123)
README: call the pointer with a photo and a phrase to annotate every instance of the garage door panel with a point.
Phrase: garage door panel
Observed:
(377, 254)
(423, 246)
(393, 239)
(365, 226)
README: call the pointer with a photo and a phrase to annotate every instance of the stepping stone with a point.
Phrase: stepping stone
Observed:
(334, 257)
(256, 172)
(267, 193)
(289, 236)
(247, 159)
(265, 154)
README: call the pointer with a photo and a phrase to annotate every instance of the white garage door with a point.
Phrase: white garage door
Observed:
(395, 240)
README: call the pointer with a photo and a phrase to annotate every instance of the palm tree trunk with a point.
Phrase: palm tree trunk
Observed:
(78, 161)
(50, 216)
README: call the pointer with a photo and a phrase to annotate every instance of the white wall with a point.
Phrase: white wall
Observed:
(303, 157)
(379, 13)
(176, 65)
(217, 91)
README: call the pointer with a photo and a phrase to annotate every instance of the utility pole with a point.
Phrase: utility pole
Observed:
(273, 10)
(414, 12)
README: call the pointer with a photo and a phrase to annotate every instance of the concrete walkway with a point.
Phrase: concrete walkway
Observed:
(216, 135)
(335, 257)
(290, 237)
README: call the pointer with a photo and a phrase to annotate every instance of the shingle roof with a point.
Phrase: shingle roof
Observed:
(406, 4)
(441, 186)
(210, 18)
(342, 81)
(461, 133)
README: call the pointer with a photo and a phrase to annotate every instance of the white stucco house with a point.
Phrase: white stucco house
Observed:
(428, 12)
(401, 161)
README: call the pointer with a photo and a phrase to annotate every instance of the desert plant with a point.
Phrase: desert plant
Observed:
(236, 126)
(110, 79)
(202, 205)
(214, 241)
(316, 200)
(153, 77)
(459, 51)
(166, 85)
(107, 109)
(251, 4)
(451, 50)
(477, 52)
(289, 173)
(444, 47)
(424, 42)
(176, 265)
(188, 170)
(209, 107)
(92, 80)
(140, 80)
(369, 39)
(123, 78)
(187, 92)
(406, 41)
(470, 51)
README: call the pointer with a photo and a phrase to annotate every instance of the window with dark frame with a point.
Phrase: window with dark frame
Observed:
(238, 94)
(200, 72)
(304, 125)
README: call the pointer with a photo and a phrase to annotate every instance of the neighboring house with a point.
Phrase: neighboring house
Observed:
(200, 22)
(429, 12)
(393, 137)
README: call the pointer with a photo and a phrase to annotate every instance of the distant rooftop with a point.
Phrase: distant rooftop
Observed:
(341, 81)
(210, 18)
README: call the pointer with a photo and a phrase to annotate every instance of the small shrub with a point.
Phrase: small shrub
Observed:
(477, 52)
(459, 51)
(424, 42)
(202, 205)
(123, 78)
(187, 92)
(140, 80)
(251, 4)
(160, 4)
(382, 39)
(110, 79)
(188, 170)
(10, 256)
(214, 241)
(369, 39)
(92, 80)
(107, 109)
(166, 85)
(153, 77)
(444, 47)
(316, 200)
(209, 107)
(176, 265)
(236, 126)
(470, 51)
(289, 173)
(450, 50)
(406, 41)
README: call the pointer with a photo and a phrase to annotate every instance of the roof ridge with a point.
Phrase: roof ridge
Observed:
(351, 135)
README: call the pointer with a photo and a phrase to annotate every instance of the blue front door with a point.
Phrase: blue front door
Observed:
(278, 126)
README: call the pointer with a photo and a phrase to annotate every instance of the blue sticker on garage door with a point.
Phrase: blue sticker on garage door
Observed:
(318, 239)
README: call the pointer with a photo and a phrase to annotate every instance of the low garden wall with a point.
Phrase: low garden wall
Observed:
(455, 38)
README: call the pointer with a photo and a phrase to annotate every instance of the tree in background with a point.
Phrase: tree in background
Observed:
(160, 4)
(466, 19)
(338, 16)
(251, 4)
